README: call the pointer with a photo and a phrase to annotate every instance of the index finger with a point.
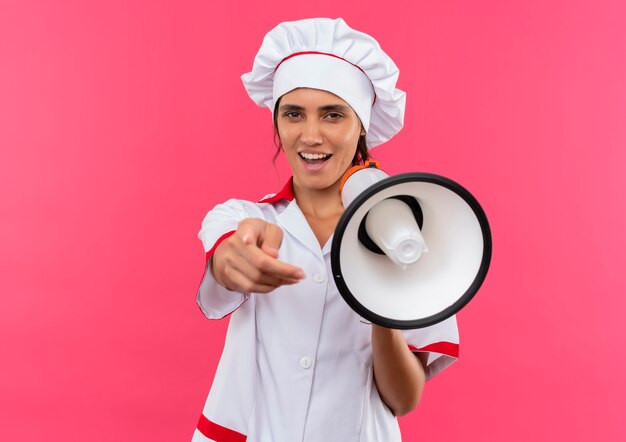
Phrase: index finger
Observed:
(271, 266)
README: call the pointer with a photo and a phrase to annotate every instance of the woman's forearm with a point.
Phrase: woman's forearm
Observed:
(398, 373)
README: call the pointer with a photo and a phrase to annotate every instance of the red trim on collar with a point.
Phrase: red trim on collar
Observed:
(445, 348)
(285, 194)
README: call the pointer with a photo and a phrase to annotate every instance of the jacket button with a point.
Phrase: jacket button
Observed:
(319, 277)
(306, 362)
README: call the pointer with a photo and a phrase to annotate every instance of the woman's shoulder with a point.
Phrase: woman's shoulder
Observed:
(266, 208)
(237, 208)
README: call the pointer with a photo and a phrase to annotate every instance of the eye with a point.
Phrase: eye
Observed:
(333, 116)
(292, 114)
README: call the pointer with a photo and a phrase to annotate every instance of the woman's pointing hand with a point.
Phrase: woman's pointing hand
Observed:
(248, 260)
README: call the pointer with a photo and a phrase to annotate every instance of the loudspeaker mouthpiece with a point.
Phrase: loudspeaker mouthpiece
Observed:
(359, 179)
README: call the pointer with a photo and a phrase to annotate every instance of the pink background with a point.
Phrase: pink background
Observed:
(123, 122)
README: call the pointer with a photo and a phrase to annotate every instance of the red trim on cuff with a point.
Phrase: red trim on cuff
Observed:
(217, 432)
(217, 243)
(445, 348)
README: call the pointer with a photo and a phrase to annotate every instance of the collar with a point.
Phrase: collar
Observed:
(292, 220)
(285, 194)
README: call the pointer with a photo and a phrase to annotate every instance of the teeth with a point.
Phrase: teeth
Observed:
(313, 156)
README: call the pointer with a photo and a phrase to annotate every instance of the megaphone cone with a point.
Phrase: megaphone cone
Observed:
(410, 250)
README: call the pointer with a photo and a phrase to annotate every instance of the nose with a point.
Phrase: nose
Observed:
(311, 132)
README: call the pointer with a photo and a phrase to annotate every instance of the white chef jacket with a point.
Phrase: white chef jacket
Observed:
(297, 362)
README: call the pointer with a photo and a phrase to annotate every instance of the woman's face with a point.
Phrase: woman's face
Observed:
(319, 134)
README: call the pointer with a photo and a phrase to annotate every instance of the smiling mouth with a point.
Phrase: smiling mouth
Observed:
(314, 158)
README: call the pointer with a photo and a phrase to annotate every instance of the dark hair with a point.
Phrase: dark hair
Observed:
(360, 156)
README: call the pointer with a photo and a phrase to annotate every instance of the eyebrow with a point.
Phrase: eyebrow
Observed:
(328, 107)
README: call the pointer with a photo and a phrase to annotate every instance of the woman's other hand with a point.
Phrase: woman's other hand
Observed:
(248, 260)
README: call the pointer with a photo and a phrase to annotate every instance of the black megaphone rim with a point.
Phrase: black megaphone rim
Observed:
(370, 192)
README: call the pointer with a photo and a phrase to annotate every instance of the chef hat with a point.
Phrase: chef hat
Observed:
(327, 54)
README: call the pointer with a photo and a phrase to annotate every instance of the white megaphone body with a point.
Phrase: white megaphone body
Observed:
(410, 250)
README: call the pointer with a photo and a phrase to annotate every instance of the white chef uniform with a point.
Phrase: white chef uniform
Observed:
(297, 362)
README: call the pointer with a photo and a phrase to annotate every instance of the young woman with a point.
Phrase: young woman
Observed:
(298, 363)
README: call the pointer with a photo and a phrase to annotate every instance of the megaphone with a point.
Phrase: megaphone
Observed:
(410, 250)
